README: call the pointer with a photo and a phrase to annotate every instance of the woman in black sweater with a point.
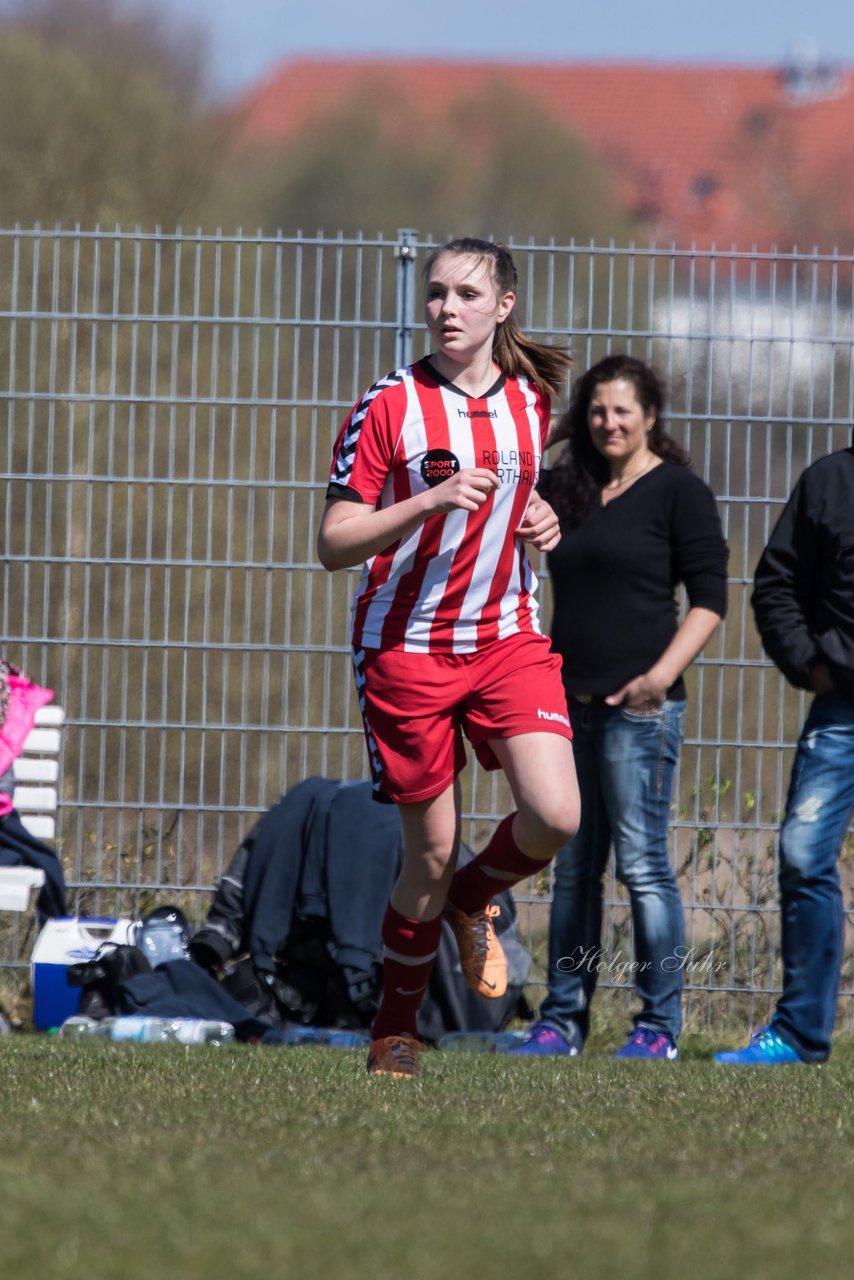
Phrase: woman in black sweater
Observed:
(636, 522)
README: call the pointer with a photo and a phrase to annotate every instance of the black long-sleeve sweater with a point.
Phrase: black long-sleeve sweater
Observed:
(803, 594)
(615, 575)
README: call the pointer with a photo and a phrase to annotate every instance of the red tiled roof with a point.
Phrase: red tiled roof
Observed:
(724, 154)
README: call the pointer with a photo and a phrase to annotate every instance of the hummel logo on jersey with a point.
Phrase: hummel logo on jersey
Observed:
(552, 715)
(438, 465)
(477, 413)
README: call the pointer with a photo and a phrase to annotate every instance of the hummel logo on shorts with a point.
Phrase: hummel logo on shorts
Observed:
(552, 715)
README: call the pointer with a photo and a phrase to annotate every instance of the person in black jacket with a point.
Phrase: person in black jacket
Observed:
(803, 601)
(636, 522)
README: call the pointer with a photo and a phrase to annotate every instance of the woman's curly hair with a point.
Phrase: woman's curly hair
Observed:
(577, 481)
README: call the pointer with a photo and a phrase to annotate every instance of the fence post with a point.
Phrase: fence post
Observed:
(405, 254)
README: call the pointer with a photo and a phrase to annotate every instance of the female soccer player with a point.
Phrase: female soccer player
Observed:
(431, 487)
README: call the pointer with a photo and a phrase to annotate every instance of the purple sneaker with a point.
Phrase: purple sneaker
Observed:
(544, 1040)
(646, 1042)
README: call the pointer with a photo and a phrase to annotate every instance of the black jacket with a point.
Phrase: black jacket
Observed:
(803, 596)
(323, 852)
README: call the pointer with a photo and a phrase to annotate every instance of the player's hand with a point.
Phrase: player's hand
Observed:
(540, 525)
(466, 491)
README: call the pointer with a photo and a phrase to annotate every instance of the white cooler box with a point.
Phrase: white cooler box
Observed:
(63, 941)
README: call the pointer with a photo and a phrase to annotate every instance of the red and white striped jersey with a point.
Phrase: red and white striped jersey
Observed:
(462, 579)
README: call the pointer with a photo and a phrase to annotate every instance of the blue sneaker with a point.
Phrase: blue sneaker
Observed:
(646, 1042)
(546, 1041)
(766, 1049)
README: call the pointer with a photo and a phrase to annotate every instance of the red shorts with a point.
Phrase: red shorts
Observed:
(416, 707)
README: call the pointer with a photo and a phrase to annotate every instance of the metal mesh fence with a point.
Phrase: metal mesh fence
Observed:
(171, 403)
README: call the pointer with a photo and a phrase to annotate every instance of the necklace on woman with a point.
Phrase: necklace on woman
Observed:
(618, 484)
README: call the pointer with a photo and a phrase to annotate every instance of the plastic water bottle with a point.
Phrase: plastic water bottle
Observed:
(480, 1041)
(139, 1027)
(468, 1042)
(302, 1035)
(331, 1037)
(347, 1040)
(508, 1039)
(80, 1027)
(77, 1028)
(198, 1031)
(163, 936)
(146, 1029)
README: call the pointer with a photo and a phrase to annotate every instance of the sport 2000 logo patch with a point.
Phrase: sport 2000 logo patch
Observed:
(438, 465)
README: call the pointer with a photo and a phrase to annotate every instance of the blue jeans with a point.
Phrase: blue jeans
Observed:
(819, 808)
(625, 761)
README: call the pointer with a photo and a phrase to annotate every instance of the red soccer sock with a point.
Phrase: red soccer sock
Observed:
(473, 887)
(409, 951)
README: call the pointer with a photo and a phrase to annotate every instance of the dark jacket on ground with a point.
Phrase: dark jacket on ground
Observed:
(803, 597)
(180, 989)
(320, 854)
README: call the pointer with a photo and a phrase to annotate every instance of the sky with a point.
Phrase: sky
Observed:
(248, 38)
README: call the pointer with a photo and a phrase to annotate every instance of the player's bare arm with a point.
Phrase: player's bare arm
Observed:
(351, 532)
(558, 430)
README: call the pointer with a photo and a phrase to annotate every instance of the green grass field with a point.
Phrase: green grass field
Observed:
(119, 1162)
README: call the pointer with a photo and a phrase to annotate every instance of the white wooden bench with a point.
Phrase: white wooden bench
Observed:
(36, 772)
